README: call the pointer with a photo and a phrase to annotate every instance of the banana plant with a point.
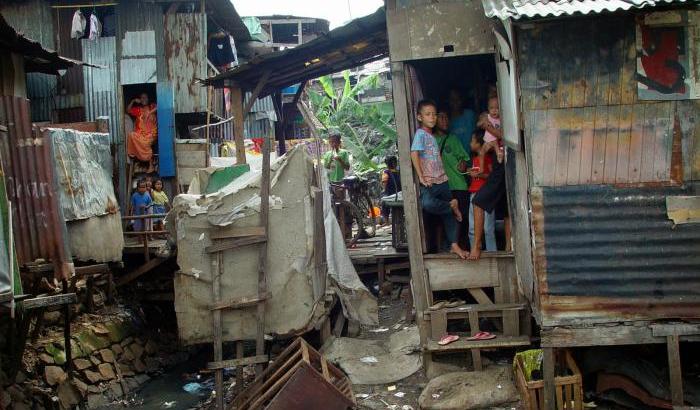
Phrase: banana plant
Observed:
(367, 129)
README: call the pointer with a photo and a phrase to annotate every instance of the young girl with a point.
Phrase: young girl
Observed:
(479, 174)
(160, 204)
(490, 121)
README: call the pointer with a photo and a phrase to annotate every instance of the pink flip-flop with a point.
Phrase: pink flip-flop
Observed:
(447, 339)
(482, 336)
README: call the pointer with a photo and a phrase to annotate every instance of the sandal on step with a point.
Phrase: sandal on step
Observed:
(482, 336)
(454, 303)
(447, 339)
(438, 305)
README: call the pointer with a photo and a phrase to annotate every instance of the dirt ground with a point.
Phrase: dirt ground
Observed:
(403, 395)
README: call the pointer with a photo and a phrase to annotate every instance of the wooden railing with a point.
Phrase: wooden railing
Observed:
(145, 233)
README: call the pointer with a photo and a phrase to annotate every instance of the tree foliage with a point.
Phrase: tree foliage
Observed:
(367, 129)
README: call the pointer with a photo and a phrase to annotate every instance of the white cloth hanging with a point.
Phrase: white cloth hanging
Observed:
(95, 27)
(77, 29)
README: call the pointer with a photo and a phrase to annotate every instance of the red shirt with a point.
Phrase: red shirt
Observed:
(478, 182)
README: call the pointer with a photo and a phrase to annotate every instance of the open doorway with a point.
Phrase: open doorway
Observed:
(461, 88)
(142, 159)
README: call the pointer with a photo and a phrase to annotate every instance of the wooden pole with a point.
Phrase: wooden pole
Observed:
(674, 370)
(208, 131)
(550, 401)
(238, 123)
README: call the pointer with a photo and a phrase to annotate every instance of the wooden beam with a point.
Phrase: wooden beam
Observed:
(237, 232)
(98, 269)
(233, 243)
(299, 92)
(53, 300)
(674, 369)
(140, 271)
(245, 361)
(550, 402)
(238, 123)
(256, 92)
(677, 329)
(237, 303)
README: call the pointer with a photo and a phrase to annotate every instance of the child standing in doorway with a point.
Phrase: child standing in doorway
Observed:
(435, 195)
(479, 174)
(140, 202)
(160, 203)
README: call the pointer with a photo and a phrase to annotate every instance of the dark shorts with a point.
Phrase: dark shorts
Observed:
(493, 191)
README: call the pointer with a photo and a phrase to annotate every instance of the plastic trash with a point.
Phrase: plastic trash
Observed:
(369, 359)
(193, 388)
(399, 394)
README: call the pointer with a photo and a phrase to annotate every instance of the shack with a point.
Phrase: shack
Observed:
(600, 116)
(153, 47)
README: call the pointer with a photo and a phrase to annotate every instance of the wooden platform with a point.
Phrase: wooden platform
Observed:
(463, 344)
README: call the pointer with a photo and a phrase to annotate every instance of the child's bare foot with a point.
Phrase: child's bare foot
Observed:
(459, 251)
(455, 210)
(475, 254)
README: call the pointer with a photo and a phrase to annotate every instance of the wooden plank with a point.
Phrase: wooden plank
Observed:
(628, 83)
(262, 265)
(236, 232)
(611, 144)
(678, 329)
(98, 269)
(534, 130)
(599, 137)
(52, 300)
(143, 269)
(474, 329)
(616, 58)
(218, 270)
(192, 159)
(575, 130)
(674, 366)
(551, 133)
(463, 344)
(479, 308)
(448, 274)
(548, 378)
(238, 303)
(238, 123)
(225, 244)
(601, 96)
(255, 93)
(651, 111)
(438, 325)
(480, 296)
(587, 142)
(663, 143)
(246, 361)
(511, 322)
(419, 278)
(636, 143)
(623, 144)
(562, 124)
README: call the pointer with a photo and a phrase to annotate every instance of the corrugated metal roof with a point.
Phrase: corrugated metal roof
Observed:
(516, 9)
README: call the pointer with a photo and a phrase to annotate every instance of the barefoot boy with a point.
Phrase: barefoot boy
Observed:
(435, 194)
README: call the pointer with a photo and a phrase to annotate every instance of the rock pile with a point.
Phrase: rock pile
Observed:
(110, 360)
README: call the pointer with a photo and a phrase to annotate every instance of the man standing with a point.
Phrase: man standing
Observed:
(337, 160)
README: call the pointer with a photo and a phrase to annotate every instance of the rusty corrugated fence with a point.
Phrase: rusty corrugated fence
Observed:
(38, 225)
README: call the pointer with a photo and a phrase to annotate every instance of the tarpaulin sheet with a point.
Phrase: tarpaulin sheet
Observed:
(295, 301)
(84, 168)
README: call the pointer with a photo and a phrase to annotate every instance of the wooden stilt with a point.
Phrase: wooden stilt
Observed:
(674, 370)
(548, 377)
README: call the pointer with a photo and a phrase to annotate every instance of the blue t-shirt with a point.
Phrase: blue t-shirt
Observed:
(463, 127)
(425, 144)
(139, 202)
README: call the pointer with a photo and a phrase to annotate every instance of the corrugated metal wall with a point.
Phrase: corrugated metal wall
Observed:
(69, 99)
(601, 163)
(257, 124)
(38, 223)
(101, 87)
(185, 52)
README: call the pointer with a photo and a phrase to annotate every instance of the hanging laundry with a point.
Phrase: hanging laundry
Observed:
(77, 29)
(95, 27)
(220, 52)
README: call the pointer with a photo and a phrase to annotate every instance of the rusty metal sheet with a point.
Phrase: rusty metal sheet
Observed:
(516, 9)
(39, 228)
(185, 52)
(604, 253)
(101, 85)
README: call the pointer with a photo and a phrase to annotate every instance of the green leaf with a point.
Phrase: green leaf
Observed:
(327, 83)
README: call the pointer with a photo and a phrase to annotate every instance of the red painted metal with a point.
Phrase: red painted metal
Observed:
(28, 167)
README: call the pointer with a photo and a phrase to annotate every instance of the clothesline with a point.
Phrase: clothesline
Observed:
(72, 6)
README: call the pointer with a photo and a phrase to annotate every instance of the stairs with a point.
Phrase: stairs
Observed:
(494, 275)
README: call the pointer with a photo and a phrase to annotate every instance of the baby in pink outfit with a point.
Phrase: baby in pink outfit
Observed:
(491, 121)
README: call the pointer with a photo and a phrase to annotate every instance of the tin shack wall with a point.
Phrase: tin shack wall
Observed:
(186, 56)
(601, 164)
(34, 19)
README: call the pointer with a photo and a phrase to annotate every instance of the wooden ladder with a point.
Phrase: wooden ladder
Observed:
(231, 240)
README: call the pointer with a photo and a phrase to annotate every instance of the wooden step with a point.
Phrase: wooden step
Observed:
(463, 344)
(496, 307)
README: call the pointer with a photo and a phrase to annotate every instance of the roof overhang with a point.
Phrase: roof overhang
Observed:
(361, 41)
(36, 57)
(516, 9)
